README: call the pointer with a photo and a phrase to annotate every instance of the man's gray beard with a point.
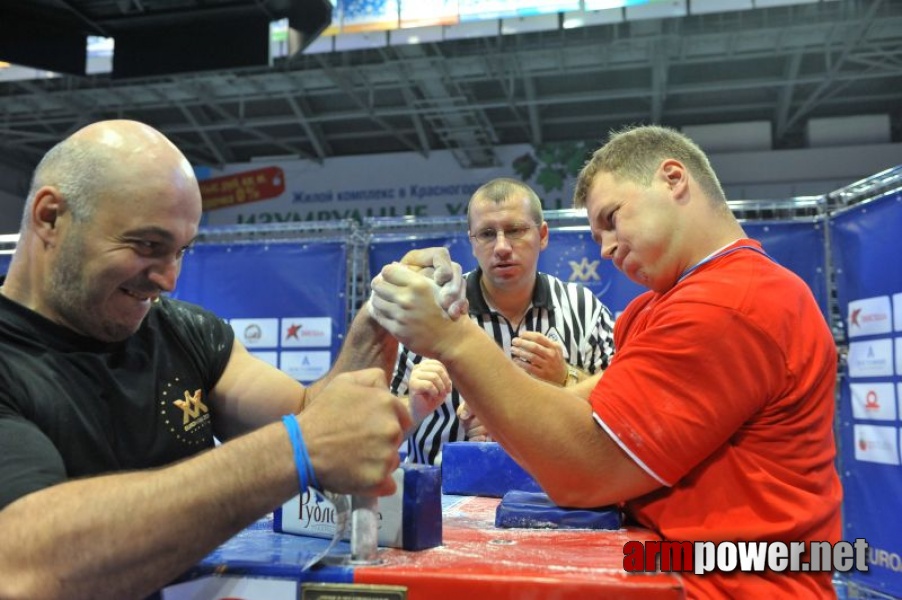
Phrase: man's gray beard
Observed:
(69, 296)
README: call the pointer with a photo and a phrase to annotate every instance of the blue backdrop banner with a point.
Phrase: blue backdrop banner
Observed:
(286, 301)
(389, 248)
(867, 246)
(4, 262)
(572, 255)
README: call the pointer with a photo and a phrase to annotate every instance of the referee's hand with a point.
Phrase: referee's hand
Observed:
(539, 356)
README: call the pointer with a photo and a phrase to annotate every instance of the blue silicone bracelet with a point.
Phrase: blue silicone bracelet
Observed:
(301, 462)
(311, 474)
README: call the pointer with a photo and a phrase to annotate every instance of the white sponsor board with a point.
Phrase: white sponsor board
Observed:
(870, 316)
(871, 358)
(256, 333)
(306, 332)
(306, 366)
(877, 444)
(314, 515)
(874, 401)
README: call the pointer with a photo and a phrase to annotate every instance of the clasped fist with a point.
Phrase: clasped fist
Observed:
(416, 299)
(353, 431)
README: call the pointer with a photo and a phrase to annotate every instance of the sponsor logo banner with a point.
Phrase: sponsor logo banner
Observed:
(874, 401)
(876, 444)
(242, 187)
(870, 316)
(306, 331)
(872, 358)
(257, 333)
(306, 366)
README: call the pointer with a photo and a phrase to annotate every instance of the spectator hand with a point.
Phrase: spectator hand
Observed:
(474, 429)
(429, 385)
(539, 356)
(353, 434)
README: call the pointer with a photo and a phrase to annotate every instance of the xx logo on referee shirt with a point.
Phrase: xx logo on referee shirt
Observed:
(584, 270)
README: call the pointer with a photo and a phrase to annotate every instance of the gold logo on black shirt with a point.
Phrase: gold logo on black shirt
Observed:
(188, 417)
(194, 411)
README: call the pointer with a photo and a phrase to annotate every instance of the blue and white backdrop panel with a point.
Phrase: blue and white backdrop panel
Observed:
(286, 301)
(572, 255)
(866, 247)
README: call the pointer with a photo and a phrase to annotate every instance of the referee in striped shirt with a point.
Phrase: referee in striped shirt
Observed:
(554, 330)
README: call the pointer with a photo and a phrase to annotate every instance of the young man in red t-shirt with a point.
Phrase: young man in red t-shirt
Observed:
(714, 421)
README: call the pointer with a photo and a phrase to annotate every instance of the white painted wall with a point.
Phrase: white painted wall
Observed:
(783, 174)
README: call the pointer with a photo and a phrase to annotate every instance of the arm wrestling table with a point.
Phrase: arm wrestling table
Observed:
(476, 561)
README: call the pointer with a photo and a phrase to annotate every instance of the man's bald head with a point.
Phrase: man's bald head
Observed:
(100, 157)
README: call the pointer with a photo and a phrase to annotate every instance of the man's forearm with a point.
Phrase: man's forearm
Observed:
(126, 535)
(546, 428)
(366, 345)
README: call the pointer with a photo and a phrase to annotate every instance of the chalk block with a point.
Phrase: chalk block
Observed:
(482, 469)
(410, 519)
(534, 510)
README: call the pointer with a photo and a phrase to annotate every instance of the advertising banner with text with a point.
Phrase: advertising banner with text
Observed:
(383, 185)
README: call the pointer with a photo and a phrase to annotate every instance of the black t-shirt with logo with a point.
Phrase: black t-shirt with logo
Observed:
(72, 406)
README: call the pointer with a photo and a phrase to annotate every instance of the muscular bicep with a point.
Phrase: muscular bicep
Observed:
(251, 393)
(28, 460)
(584, 388)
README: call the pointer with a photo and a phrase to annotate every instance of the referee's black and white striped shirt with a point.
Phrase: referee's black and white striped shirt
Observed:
(565, 311)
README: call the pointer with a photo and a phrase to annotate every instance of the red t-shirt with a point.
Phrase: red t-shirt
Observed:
(722, 388)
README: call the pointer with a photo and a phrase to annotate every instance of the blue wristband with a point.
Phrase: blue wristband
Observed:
(311, 475)
(297, 443)
(301, 457)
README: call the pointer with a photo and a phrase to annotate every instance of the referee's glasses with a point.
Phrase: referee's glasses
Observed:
(486, 237)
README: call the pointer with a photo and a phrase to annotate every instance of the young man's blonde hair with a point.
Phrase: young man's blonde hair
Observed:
(635, 153)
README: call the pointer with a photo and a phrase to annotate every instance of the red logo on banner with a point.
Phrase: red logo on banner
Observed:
(871, 402)
(241, 188)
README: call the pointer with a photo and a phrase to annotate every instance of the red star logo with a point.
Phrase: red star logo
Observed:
(293, 331)
(854, 317)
